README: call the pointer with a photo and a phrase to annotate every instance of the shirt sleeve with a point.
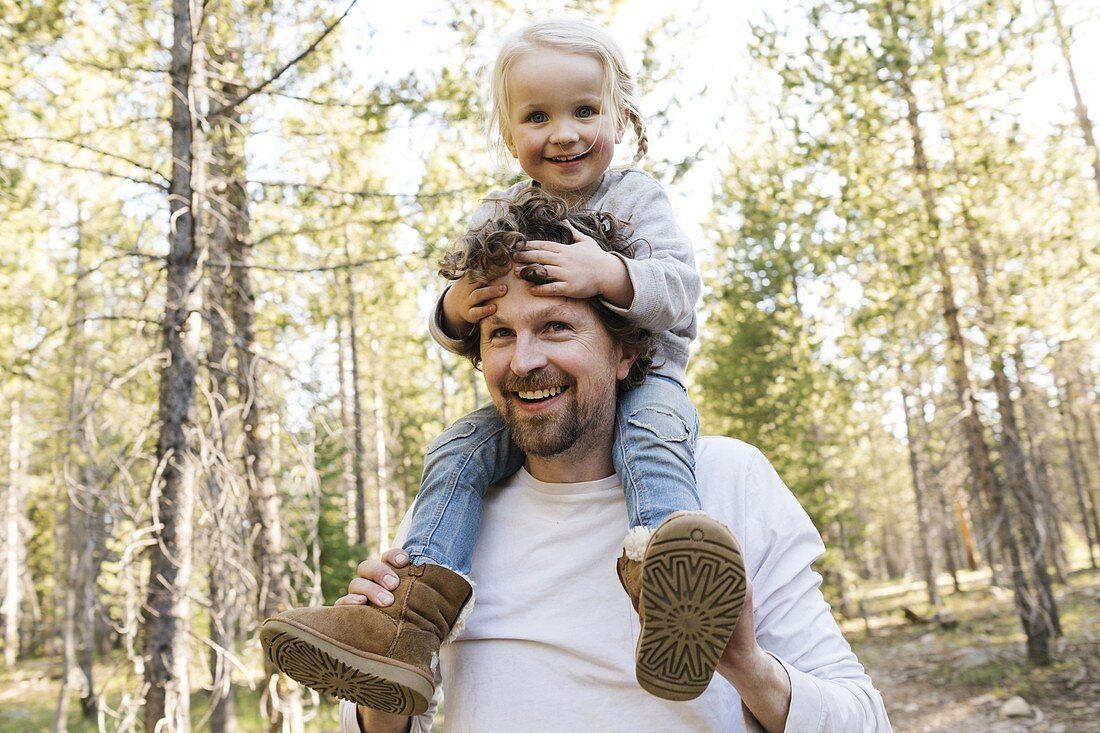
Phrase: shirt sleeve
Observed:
(349, 718)
(830, 691)
(666, 281)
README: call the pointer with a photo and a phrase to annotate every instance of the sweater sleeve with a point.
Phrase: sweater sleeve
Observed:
(482, 214)
(830, 691)
(662, 272)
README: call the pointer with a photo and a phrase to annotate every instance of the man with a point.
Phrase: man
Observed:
(548, 644)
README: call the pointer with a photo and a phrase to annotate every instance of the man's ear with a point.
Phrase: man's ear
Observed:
(627, 356)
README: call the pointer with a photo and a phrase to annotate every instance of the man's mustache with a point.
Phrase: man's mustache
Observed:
(542, 379)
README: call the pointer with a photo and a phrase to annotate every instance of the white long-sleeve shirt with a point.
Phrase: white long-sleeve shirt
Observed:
(662, 271)
(549, 645)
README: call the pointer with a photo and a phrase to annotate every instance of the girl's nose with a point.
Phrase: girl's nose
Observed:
(527, 357)
(564, 134)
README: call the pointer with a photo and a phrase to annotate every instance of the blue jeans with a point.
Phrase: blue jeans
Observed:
(656, 427)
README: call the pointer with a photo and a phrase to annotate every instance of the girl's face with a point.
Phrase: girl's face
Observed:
(558, 128)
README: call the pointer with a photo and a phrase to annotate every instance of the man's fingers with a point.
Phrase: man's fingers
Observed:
(378, 572)
(351, 599)
(374, 593)
(395, 557)
(376, 578)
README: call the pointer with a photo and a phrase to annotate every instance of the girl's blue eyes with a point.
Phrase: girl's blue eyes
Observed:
(584, 113)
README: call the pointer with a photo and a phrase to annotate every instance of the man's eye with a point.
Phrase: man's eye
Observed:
(498, 333)
(558, 326)
(538, 117)
(586, 111)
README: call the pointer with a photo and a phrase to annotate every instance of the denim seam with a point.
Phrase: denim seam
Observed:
(452, 483)
(627, 476)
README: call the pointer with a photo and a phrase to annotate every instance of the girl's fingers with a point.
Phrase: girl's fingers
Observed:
(474, 315)
(488, 292)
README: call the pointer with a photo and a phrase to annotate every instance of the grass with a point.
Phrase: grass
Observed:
(28, 701)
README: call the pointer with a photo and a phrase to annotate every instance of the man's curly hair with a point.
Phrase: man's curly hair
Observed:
(485, 253)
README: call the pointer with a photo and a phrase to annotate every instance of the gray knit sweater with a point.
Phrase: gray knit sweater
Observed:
(666, 282)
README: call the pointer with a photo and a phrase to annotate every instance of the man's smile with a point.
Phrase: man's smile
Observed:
(539, 395)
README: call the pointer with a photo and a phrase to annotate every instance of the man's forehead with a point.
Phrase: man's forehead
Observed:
(510, 310)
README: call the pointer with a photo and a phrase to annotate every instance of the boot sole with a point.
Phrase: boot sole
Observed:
(332, 669)
(692, 593)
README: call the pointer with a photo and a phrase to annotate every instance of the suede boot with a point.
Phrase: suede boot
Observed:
(382, 658)
(687, 581)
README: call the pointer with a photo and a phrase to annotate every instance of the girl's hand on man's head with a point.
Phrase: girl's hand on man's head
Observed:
(574, 270)
(466, 302)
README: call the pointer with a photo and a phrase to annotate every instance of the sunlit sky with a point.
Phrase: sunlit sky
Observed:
(714, 83)
(714, 77)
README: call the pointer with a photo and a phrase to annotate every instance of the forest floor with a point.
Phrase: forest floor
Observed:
(934, 679)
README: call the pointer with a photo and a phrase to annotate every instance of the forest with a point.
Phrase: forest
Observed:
(220, 225)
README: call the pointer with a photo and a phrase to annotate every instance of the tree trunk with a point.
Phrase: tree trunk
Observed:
(1036, 446)
(1083, 499)
(356, 412)
(1037, 630)
(222, 499)
(347, 428)
(1082, 112)
(167, 640)
(926, 560)
(382, 463)
(1081, 453)
(14, 542)
(284, 696)
(1030, 507)
(88, 572)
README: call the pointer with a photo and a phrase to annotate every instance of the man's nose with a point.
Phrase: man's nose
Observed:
(528, 356)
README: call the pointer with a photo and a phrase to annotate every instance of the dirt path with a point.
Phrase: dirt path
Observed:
(937, 680)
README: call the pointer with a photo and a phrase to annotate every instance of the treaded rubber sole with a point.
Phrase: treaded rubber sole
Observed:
(692, 593)
(331, 669)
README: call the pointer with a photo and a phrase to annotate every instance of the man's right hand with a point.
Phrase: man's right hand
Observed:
(466, 302)
(374, 579)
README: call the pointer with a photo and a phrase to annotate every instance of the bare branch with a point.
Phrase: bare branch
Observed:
(321, 268)
(229, 106)
(91, 149)
(87, 169)
(370, 194)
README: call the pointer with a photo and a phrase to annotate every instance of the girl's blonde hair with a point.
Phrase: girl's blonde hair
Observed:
(573, 35)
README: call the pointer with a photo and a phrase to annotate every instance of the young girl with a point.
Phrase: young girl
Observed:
(562, 99)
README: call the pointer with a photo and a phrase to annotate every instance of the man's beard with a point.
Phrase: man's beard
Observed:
(552, 434)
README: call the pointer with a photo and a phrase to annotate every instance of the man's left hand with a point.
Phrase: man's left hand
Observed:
(760, 679)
